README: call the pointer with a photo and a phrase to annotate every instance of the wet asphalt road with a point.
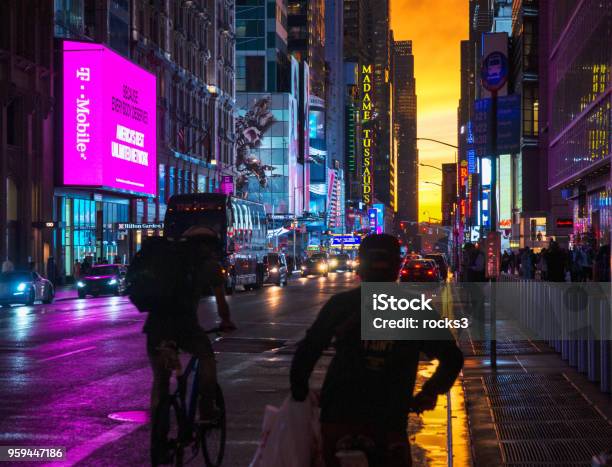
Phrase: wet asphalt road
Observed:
(64, 368)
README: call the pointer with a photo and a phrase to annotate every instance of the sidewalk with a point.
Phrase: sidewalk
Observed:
(534, 410)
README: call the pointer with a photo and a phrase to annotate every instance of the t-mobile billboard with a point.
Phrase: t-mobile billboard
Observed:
(109, 120)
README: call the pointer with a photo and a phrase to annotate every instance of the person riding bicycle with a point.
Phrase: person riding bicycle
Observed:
(176, 321)
(368, 388)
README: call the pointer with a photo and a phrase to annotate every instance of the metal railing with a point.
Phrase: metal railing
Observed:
(568, 333)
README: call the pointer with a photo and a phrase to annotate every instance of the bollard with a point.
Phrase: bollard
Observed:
(594, 350)
(565, 343)
(605, 381)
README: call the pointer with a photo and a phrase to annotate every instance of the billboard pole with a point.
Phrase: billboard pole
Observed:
(494, 75)
(493, 225)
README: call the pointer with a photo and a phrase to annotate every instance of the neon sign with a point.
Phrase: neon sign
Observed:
(109, 121)
(366, 132)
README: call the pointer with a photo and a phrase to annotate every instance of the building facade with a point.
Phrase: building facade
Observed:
(335, 121)
(578, 114)
(306, 39)
(405, 131)
(189, 48)
(262, 60)
(449, 193)
(378, 38)
(26, 133)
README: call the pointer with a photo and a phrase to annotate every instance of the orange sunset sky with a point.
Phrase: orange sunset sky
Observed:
(436, 28)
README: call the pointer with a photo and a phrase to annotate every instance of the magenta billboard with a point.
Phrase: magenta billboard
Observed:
(109, 127)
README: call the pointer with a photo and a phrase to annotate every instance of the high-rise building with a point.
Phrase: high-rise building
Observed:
(577, 102)
(27, 125)
(530, 202)
(335, 124)
(356, 55)
(355, 32)
(306, 39)
(449, 193)
(262, 60)
(378, 39)
(405, 131)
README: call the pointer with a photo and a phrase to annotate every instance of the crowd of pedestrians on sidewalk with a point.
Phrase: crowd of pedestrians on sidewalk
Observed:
(582, 263)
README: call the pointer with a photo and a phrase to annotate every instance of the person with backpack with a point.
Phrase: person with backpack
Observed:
(369, 384)
(166, 280)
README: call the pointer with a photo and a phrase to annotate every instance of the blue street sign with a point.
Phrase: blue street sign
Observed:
(346, 240)
(494, 72)
(508, 126)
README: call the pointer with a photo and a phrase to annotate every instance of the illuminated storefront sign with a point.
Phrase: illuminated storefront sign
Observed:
(463, 176)
(345, 241)
(109, 120)
(505, 191)
(366, 132)
(372, 220)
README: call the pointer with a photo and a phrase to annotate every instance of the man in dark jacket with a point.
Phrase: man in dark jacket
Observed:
(369, 384)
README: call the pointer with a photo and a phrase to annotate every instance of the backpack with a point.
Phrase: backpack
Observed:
(160, 275)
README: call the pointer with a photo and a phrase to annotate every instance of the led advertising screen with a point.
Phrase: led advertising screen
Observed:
(109, 120)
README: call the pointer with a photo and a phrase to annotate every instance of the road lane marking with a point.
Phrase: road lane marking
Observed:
(78, 453)
(66, 354)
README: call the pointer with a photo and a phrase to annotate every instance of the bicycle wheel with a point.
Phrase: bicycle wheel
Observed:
(213, 437)
(166, 442)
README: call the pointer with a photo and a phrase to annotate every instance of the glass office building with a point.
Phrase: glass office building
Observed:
(580, 129)
(278, 149)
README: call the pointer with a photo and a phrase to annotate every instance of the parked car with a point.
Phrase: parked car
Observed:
(24, 287)
(341, 262)
(276, 268)
(317, 264)
(103, 279)
(419, 270)
(440, 260)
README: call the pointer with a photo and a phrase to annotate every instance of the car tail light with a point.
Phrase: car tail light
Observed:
(430, 272)
(404, 272)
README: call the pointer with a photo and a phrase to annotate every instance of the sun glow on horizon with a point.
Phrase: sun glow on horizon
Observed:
(436, 29)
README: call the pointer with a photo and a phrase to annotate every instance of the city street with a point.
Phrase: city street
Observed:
(76, 374)
(68, 366)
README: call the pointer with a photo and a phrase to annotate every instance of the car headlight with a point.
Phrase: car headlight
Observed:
(274, 270)
(333, 263)
(303, 268)
(112, 282)
(80, 284)
(322, 267)
(21, 287)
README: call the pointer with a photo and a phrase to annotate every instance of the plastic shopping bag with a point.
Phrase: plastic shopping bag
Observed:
(291, 435)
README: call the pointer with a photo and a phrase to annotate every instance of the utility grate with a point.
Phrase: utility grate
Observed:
(557, 452)
(515, 414)
(535, 431)
(525, 451)
(531, 399)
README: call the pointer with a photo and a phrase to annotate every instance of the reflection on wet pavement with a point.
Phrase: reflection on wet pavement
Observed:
(428, 432)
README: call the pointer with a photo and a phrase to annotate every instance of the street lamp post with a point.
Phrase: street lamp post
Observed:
(439, 142)
(432, 166)
(456, 238)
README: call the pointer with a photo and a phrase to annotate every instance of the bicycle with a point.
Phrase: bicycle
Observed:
(175, 425)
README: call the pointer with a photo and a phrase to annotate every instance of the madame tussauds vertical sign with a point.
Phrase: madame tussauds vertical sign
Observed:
(366, 131)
